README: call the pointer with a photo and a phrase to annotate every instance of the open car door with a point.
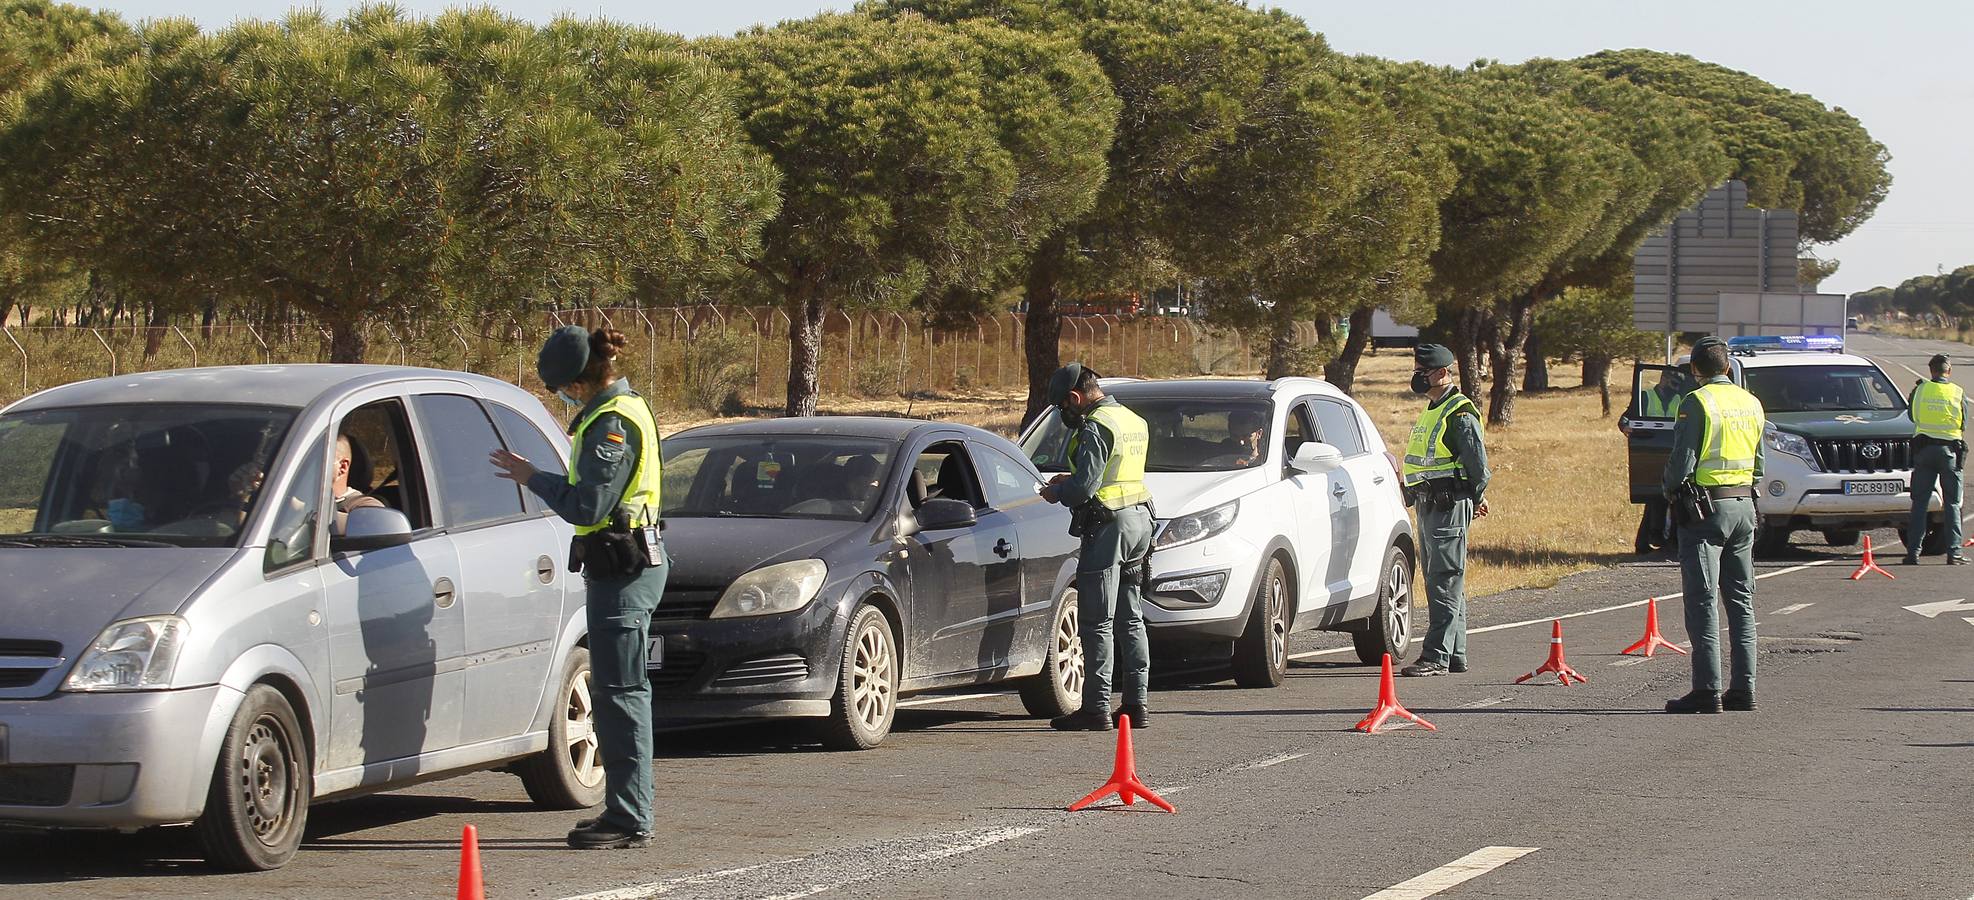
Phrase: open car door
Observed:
(1656, 392)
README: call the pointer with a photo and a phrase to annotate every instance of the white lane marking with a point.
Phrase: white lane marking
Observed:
(1631, 661)
(1933, 610)
(1458, 872)
(962, 842)
(1271, 761)
(951, 698)
(1483, 704)
(1793, 608)
(1968, 619)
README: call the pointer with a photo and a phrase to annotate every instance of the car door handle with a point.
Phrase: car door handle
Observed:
(1378, 480)
(544, 570)
(1339, 490)
(1002, 548)
(443, 594)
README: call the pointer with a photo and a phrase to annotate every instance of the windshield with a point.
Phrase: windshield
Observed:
(774, 476)
(1187, 435)
(173, 474)
(1793, 389)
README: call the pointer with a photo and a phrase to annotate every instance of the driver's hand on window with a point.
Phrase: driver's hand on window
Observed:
(512, 467)
(244, 482)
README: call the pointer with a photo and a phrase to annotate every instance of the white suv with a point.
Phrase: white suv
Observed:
(1278, 511)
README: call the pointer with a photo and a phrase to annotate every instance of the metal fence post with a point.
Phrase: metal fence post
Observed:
(23, 351)
(107, 349)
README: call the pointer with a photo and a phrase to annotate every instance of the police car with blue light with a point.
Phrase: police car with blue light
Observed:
(1838, 440)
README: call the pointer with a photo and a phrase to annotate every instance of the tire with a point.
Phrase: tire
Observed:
(1389, 630)
(1058, 690)
(1261, 653)
(569, 774)
(1770, 541)
(1845, 538)
(257, 807)
(866, 698)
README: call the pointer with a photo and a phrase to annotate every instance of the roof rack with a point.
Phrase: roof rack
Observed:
(1749, 345)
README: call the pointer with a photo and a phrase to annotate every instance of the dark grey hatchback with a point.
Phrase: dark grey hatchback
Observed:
(824, 567)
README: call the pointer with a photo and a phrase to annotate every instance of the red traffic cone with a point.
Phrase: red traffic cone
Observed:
(1652, 639)
(470, 886)
(1124, 776)
(1555, 663)
(1388, 704)
(1869, 564)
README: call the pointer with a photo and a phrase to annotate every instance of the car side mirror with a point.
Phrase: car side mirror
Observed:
(941, 513)
(372, 528)
(1316, 458)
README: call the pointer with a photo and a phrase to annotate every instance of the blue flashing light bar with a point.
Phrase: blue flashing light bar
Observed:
(1753, 343)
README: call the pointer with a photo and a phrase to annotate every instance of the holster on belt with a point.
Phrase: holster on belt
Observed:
(1692, 504)
(1440, 492)
(619, 551)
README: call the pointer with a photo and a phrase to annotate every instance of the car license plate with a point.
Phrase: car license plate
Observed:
(654, 653)
(1857, 488)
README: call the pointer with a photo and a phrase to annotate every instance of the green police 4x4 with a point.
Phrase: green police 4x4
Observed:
(1838, 444)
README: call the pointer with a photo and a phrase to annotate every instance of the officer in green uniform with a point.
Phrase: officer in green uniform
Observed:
(1661, 402)
(1446, 477)
(1105, 490)
(1717, 451)
(611, 495)
(1939, 453)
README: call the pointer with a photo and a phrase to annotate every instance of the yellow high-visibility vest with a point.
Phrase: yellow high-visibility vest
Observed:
(1937, 409)
(1734, 436)
(1426, 455)
(640, 502)
(1124, 474)
(1655, 406)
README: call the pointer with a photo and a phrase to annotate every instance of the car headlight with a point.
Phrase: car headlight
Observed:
(1199, 526)
(781, 588)
(132, 655)
(1189, 590)
(1793, 444)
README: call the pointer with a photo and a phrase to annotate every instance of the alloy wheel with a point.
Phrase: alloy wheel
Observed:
(1069, 649)
(1398, 586)
(1278, 622)
(872, 676)
(579, 727)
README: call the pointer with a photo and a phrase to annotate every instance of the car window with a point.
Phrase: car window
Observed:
(1792, 389)
(1007, 482)
(1298, 431)
(946, 473)
(774, 476)
(1338, 426)
(298, 512)
(1186, 435)
(527, 440)
(458, 436)
(383, 463)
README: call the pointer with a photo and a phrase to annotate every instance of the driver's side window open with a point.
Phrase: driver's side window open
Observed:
(382, 463)
(944, 472)
(298, 513)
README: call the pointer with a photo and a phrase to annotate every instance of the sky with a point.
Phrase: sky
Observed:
(1901, 66)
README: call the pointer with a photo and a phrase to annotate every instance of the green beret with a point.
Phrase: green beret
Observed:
(563, 356)
(1063, 381)
(1432, 356)
(1708, 341)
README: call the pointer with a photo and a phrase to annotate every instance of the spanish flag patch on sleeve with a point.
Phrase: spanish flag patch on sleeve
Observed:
(614, 437)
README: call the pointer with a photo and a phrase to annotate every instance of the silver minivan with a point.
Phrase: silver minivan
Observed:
(197, 625)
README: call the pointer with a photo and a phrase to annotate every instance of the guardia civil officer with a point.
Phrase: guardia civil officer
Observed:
(1939, 453)
(1661, 402)
(1716, 460)
(611, 496)
(1111, 511)
(1446, 477)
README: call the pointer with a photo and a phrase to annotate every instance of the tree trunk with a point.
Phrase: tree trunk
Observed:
(347, 342)
(1467, 329)
(1342, 371)
(1281, 344)
(154, 331)
(805, 318)
(1041, 327)
(1505, 354)
(208, 318)
(1597, 371)
(1536, 377)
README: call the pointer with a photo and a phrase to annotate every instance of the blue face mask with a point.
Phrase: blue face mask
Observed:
(566, 399)
(126, 514)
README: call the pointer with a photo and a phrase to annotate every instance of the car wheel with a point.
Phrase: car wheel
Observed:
(1261, 655)
(1058, 690)
(257, 807)
(1936, 538)
(867, 691)
(569, 774)
(1842, 538)
(1389, 629)
(1770, 540)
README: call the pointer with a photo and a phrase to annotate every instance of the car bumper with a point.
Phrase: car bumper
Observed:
(111, 760)
(756, 666)
(1178, 615)
(1817, 500)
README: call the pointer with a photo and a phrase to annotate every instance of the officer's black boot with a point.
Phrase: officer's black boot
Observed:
(592, 834)
(1955, 559)
(1085, 719)
(1695, 702)
(1738, 700)
(1140, 716)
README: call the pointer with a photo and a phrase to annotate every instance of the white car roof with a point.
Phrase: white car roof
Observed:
(1776, 358)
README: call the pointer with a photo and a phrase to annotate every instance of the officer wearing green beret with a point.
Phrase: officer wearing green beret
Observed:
(1939, 453)
(611, 495)
(1446, 475)
(1105, 489)
(1716, 457)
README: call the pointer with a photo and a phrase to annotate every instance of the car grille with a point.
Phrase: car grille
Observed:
(36, 785)
(1855, 455)
(680, 667)
(686, 603)
(22, 676)
(765, 670)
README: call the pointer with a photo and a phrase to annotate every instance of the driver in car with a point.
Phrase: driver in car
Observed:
(1246, 431)
(246, 481)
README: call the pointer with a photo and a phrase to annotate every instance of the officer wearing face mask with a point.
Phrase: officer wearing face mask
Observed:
(1446, 478)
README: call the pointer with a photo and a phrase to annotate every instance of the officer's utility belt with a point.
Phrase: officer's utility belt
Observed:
(1440, 492)
(1693, 504)
(1732, 492)
(618, 551)
(1958, 446)
(1086, 519)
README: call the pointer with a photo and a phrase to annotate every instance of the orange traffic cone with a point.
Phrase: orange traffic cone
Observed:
(470, 886)
(1652, 639)
(1124, 776)
(1388, 704)
(1869, 564)
(1555, 663)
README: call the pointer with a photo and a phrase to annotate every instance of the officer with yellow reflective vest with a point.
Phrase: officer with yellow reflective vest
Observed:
(1661, 402)
(611, 495)
(1709, 480)
(1111, 511)
(1446, 477)
(1939, 453)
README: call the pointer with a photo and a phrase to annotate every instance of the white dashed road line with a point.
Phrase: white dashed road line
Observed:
(1458, 872)
(1271, 761)
(1793, 608)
